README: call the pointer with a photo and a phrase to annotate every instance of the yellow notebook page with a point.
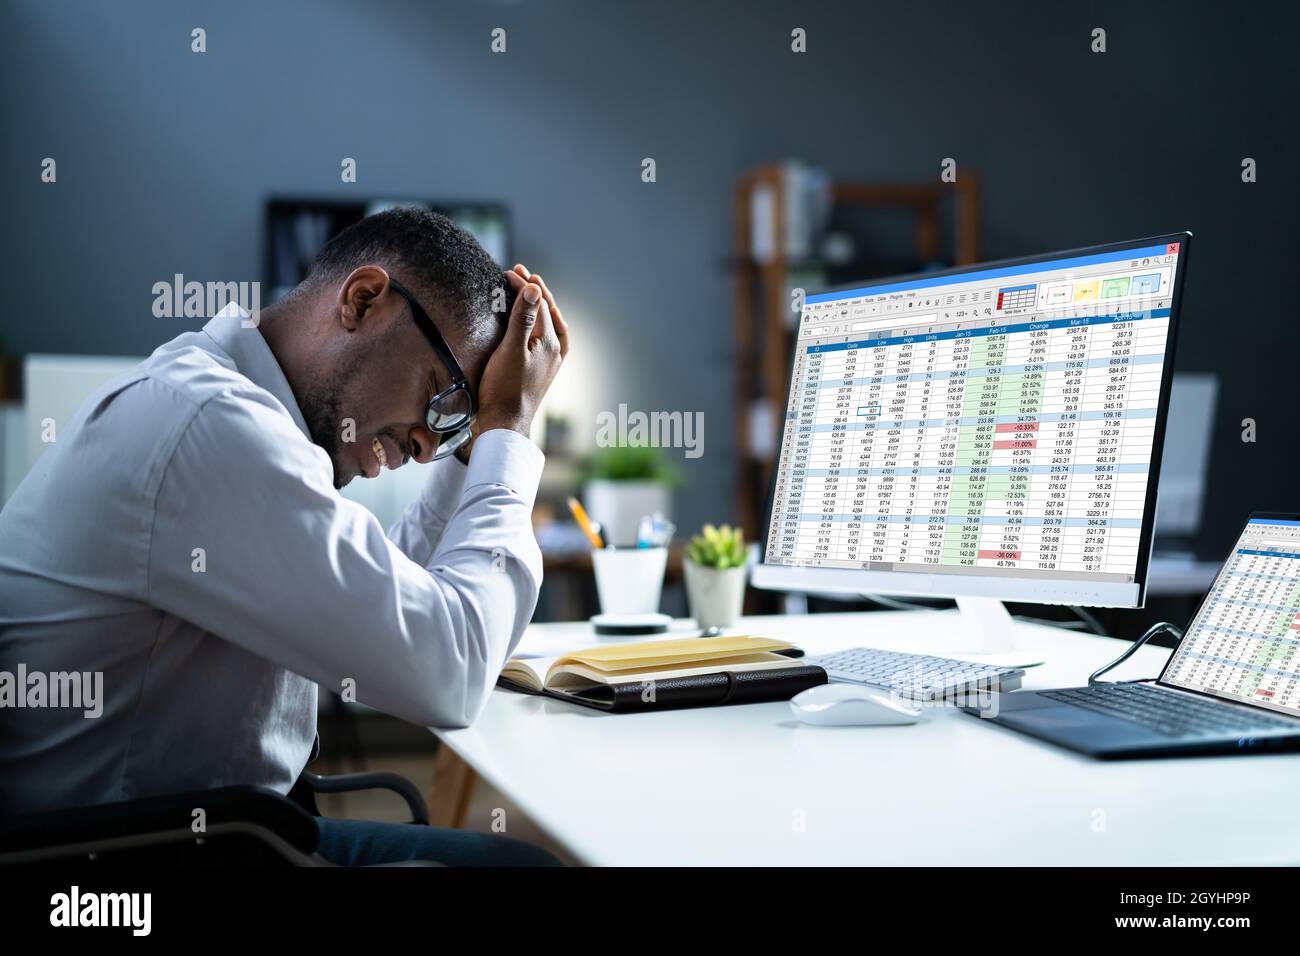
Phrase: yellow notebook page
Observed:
(644, 654)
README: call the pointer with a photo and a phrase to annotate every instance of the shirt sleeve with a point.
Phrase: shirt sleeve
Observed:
(252, 543)
(422, 524)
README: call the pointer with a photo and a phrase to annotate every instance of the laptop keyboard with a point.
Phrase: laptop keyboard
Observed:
(1170, 714)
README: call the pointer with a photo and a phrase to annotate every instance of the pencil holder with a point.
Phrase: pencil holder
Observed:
(629, 580)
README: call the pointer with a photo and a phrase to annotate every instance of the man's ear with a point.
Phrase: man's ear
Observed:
(358, 294)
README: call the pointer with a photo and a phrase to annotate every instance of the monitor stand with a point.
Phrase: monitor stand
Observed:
(986, 633)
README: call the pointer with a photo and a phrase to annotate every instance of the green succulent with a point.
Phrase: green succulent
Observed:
(719, 548)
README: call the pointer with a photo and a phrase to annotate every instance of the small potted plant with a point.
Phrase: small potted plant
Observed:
(715, 576)
(623, 484)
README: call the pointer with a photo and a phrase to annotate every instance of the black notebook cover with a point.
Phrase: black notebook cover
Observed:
(702, 690)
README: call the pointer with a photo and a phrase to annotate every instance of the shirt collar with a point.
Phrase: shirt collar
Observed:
(253, 358)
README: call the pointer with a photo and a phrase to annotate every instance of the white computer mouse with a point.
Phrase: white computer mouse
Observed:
(848, 705)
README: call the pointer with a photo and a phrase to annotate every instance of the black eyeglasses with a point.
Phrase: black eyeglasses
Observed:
(451, 411)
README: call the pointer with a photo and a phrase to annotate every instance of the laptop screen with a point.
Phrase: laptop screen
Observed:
(1243, 643)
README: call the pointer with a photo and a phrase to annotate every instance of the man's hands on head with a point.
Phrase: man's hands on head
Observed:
(525, 363)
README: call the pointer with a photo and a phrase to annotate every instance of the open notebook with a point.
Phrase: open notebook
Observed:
(662, 674)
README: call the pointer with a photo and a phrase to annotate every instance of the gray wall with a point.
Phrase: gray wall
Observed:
(165, 158)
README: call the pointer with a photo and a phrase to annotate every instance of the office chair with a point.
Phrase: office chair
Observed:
(243, 825)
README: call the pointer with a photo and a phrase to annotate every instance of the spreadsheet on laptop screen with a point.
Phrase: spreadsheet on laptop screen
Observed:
(995, 421)
(1242, 644)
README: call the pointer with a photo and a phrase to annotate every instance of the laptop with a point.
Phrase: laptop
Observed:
(1232, 685)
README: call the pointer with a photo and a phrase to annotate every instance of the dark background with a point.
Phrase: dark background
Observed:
(165, 159)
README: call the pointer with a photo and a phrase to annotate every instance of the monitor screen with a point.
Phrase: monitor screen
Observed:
(1001, 421)
(1242, 645)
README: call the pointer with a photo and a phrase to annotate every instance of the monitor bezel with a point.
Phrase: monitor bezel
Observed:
(1092, 593)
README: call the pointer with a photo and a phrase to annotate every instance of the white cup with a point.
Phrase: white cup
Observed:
(629, 580)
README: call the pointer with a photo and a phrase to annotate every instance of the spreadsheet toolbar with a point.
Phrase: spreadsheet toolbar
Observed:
(999, 423)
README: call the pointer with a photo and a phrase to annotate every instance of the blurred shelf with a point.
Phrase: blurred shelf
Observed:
(764, 326)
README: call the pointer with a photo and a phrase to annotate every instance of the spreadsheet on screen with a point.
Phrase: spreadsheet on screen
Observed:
(1242, 644)
(994, 421)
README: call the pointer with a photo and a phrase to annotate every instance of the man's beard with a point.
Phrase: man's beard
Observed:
(322, 411)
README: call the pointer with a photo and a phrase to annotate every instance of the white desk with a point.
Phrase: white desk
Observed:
(731, 785)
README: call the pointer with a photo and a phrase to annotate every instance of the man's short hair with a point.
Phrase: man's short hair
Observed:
(443, 265)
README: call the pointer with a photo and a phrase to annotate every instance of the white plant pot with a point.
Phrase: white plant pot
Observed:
(620, 505)
(717, 597)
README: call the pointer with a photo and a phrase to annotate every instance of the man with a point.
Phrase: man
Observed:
(184, 536)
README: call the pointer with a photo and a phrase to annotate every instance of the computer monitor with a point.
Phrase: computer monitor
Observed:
(1241, 643)
(986, 433)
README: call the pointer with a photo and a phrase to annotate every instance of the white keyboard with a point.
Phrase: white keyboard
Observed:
(916, 676)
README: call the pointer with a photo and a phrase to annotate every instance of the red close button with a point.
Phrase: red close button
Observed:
(1171, 249)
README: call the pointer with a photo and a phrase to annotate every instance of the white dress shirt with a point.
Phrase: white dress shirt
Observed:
(182, 536)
